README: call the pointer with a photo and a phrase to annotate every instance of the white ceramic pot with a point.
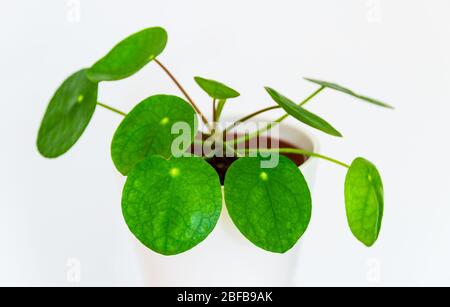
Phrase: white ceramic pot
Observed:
(226, 257)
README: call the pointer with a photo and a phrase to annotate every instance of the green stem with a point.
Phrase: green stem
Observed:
(219, 109)
(214, 116)
(214, 110)
(185, 93)
(111, 109)
(312, 96)
(297, 152)
(277, 122)
(248, 117)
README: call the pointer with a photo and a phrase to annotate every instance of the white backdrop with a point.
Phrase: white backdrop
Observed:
(56, 215)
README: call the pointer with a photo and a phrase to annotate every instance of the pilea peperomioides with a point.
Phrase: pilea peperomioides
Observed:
(171, 201)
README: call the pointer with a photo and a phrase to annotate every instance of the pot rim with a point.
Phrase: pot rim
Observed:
(306, 134)
(312, 138)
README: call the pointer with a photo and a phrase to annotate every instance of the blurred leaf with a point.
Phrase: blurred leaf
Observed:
(349, 92)
(68, 114)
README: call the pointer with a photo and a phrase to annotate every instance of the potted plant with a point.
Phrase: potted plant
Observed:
(184, 180)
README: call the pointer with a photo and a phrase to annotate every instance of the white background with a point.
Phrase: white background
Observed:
(396, 50)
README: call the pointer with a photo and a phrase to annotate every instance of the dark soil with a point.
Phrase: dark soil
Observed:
(222, 164)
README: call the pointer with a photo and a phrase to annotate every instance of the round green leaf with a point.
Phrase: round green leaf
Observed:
(271, 207)
(216, 89)
(147, 130)
(172, 205)
(130, 55)
(67, 115)
(302, 114)
(364, 200)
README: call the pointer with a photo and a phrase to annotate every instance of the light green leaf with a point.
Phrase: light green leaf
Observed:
(147, 130)
(172, 205)
(271, 207)
(364, 200)
(67, 115)
(342, 89)
(216, 89)
(130, 55)
(302, 114)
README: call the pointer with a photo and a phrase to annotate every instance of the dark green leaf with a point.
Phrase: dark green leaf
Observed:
(172, 205)
(364, 200)
(302, 114)
(147, 130)
(67, 115)
(339, 88)
(130, 55)
(216, 89)
(271, 207)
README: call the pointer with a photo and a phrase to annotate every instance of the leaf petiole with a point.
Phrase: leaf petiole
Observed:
(248, 117)
(112, 109)
(296, 152)
(181, 88)
(214, 116)
(215, 110)
(312, 96)
(220, 106)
